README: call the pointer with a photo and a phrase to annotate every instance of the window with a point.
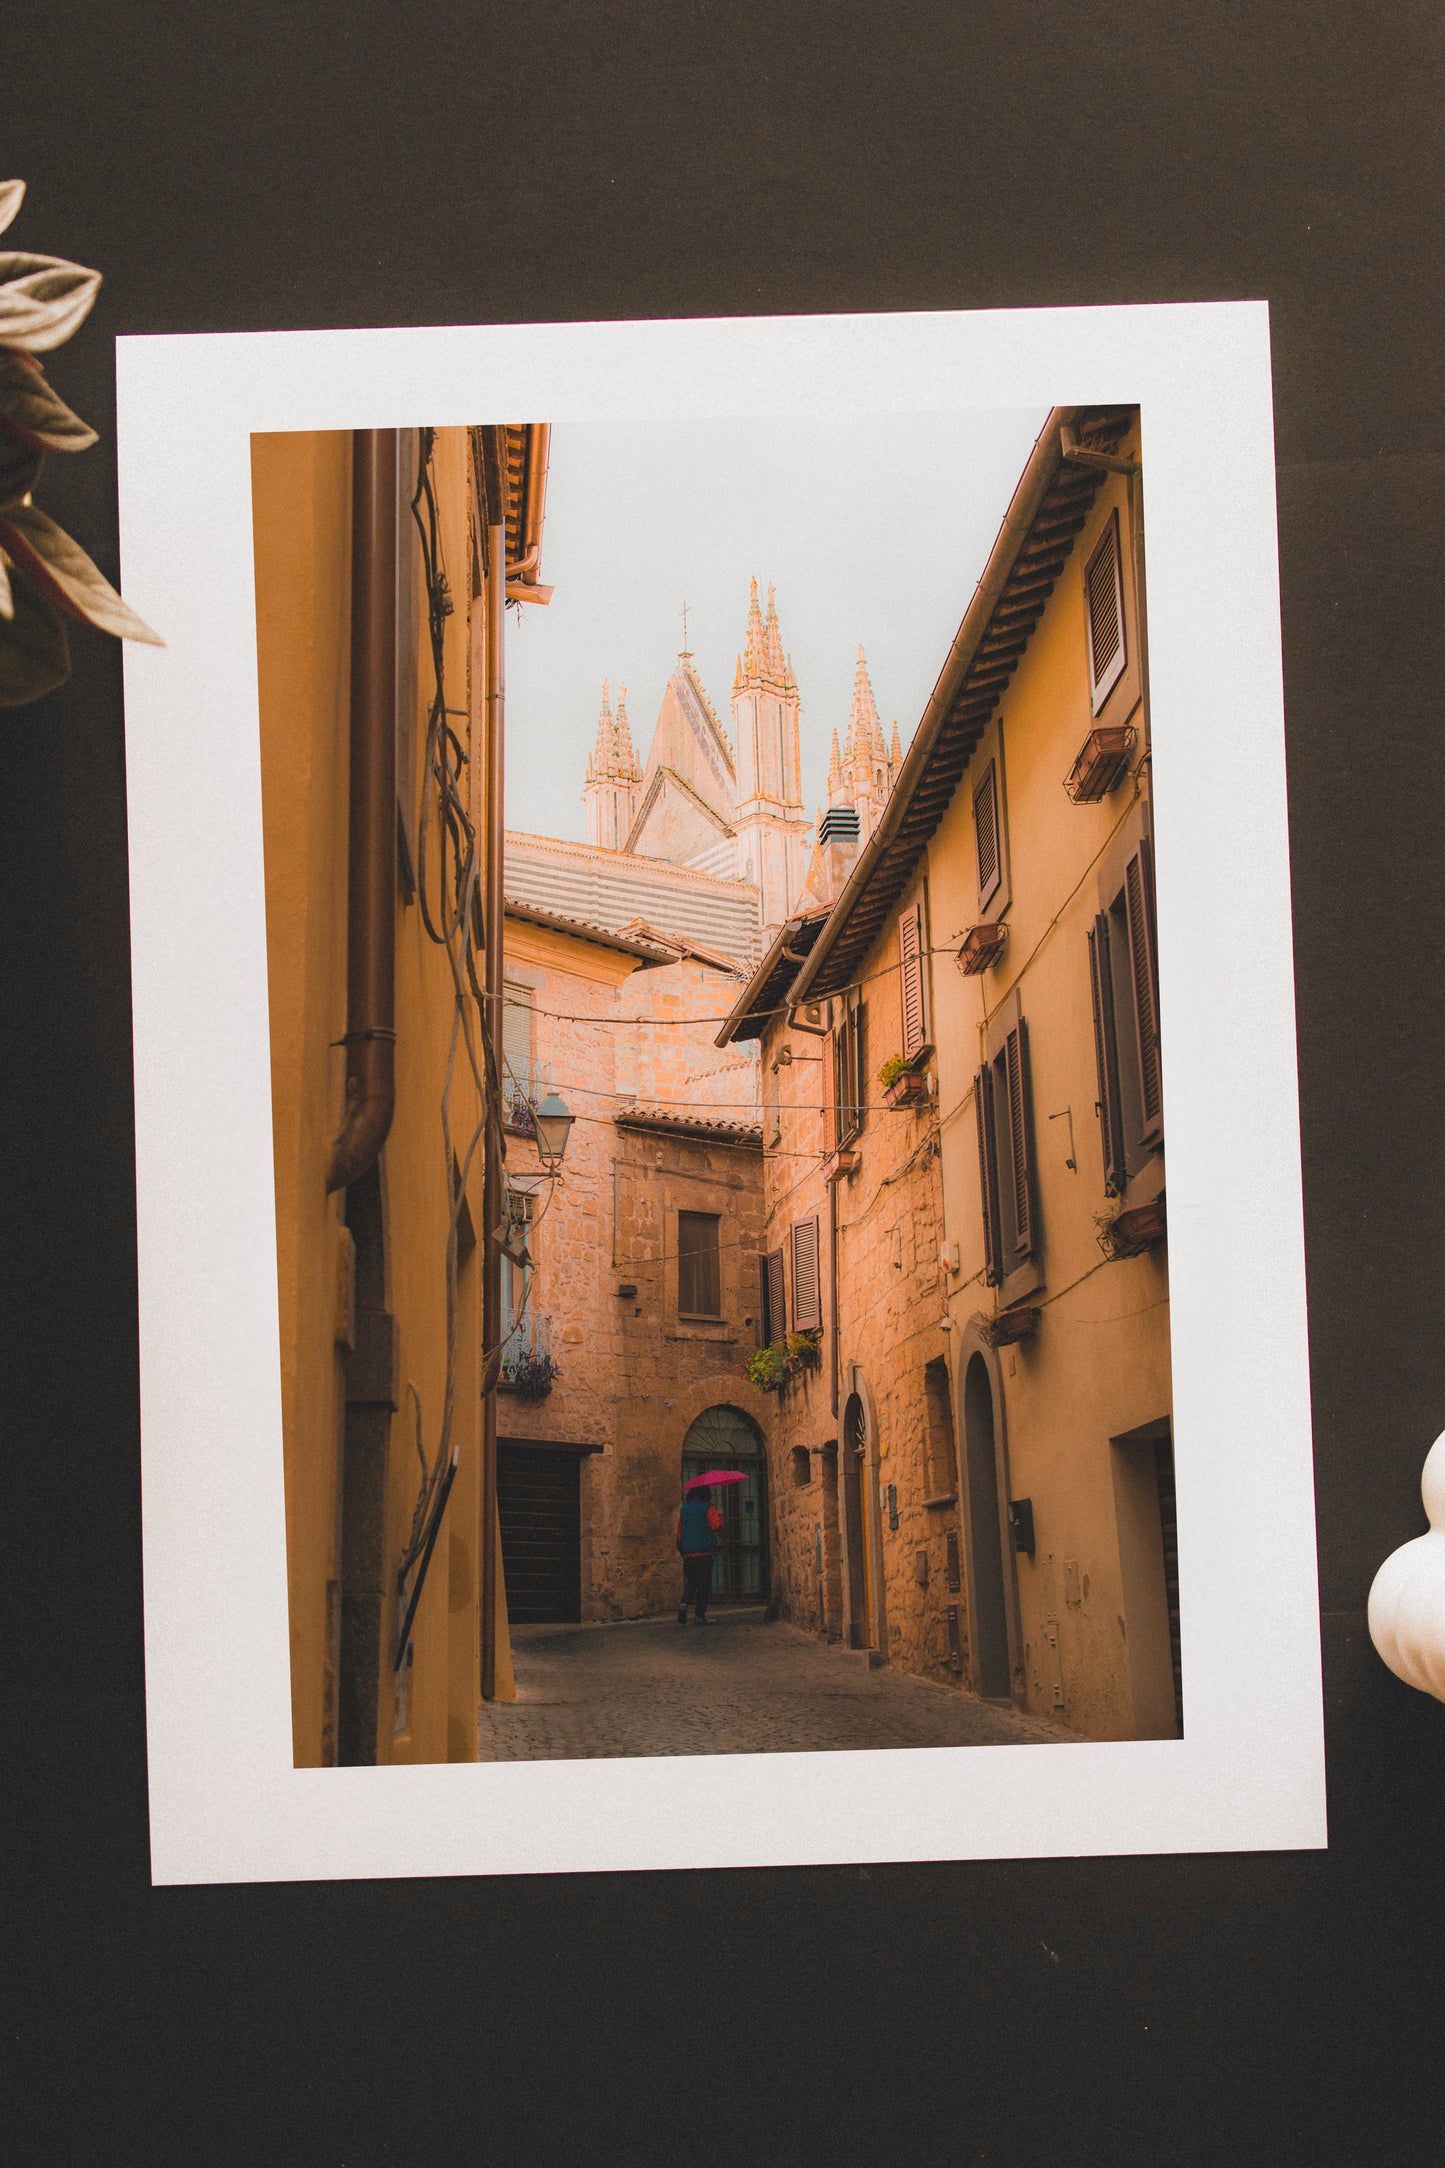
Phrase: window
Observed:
(772, 1301)
(1104, 611)
(850, 1089)
(1124, 983)
(987, 835)
(1003, 1107)
(519, 1093)
(912, 981)
(807, 1288)
(938, 1410)
(699, 1279)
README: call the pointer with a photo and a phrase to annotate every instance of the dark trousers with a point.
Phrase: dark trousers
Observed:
(696, 1581)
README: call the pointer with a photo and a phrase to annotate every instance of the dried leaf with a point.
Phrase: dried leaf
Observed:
(34, 652)
(19, 466)
(36, 414)
(66, 576)
(12, 195)
(43, 299)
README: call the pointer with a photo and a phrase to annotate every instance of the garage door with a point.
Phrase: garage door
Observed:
(538, 1505)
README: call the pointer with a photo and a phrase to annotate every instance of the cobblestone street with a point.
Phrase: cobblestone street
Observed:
(735, 1686)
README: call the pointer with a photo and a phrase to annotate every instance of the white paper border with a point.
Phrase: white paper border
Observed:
(226, 1803)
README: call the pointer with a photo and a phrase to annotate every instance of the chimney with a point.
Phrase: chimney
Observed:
(839, 841)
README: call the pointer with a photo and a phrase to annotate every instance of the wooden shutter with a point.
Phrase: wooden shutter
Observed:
(765, 1323)
(831, 1123)
(1106, 1056)
(777, 1295)
(910, 979)
(807, 1293)
(1144, 973)
(1020, 1138)
(860, 1064)
(985, 833)
(1104, 609)
(988, 1175)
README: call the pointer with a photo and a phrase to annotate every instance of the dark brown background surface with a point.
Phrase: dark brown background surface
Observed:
(316, 164)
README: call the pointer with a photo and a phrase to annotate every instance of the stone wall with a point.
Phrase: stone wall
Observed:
(631, 1051)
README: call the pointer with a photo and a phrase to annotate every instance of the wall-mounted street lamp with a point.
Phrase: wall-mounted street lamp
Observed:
(554, 1126)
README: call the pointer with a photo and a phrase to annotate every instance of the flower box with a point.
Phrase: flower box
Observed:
(982, 946)
(909, 1089)
(837, 1164)
(1136, 1230)
(1013, 1325)
(1103, 759)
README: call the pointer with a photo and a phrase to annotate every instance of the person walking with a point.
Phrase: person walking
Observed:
(697, 1533)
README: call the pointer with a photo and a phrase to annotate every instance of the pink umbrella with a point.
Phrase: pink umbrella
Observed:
(716, 1475)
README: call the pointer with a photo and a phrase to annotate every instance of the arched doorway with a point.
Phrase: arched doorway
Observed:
(726, 1438)
(991, 1671)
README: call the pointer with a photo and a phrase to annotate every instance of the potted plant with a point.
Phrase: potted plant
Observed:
(904, 1083)
(804, 1350)
(532, 1377)
(768, 1368)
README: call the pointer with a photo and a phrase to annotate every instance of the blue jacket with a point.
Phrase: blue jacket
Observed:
(695, 1531)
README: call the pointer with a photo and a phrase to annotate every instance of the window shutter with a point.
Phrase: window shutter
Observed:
(832, 1094)
(860, 1064)
(777, 1296)
(1104, 608)
(988, 1176)
(807, 1300)
(985, 833)
(910, 963)
(1020, 1124)
(765, 1322)
(1144, 972)
(1106, 1056)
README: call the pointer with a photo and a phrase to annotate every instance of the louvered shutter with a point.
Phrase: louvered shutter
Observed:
(832, 1091)
(765, 1305)
(1106, 1056)
(1144, 973)
(988, 1176)
(985, 833)
(860, 1064)
(777, 1296)
(807, 1297)
(1020, 1214)
(910, 972)
(1104, 608)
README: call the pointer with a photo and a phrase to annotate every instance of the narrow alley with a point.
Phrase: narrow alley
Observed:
(739, 1685)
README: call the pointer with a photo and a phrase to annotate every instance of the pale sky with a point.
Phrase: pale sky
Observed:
(874, 528)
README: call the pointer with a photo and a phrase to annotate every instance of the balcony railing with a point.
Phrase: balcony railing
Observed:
(527, 1365)
(524, 1085)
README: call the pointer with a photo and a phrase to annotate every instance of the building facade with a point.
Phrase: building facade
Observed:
(629, 1299)
(381, 561)
(996, 1443)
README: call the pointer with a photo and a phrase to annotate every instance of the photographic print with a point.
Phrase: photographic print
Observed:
(719, 880)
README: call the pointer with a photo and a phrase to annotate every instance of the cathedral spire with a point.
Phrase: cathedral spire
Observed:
(773, 639)
(895, 750)
(835, 767)
(600, 763)
(865, 732)
(755, 654)
(627, 762)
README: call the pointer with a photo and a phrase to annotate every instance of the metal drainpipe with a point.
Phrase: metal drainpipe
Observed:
(493, 1205)
(371, 898)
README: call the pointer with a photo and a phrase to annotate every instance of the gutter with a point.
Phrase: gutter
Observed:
(370, 1039)
(1033, 486)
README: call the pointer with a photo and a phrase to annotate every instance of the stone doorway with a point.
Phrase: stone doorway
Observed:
(725, 1438)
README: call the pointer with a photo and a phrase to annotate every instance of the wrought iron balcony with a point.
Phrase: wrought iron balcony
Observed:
(527, 1366)
(525, 1084)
